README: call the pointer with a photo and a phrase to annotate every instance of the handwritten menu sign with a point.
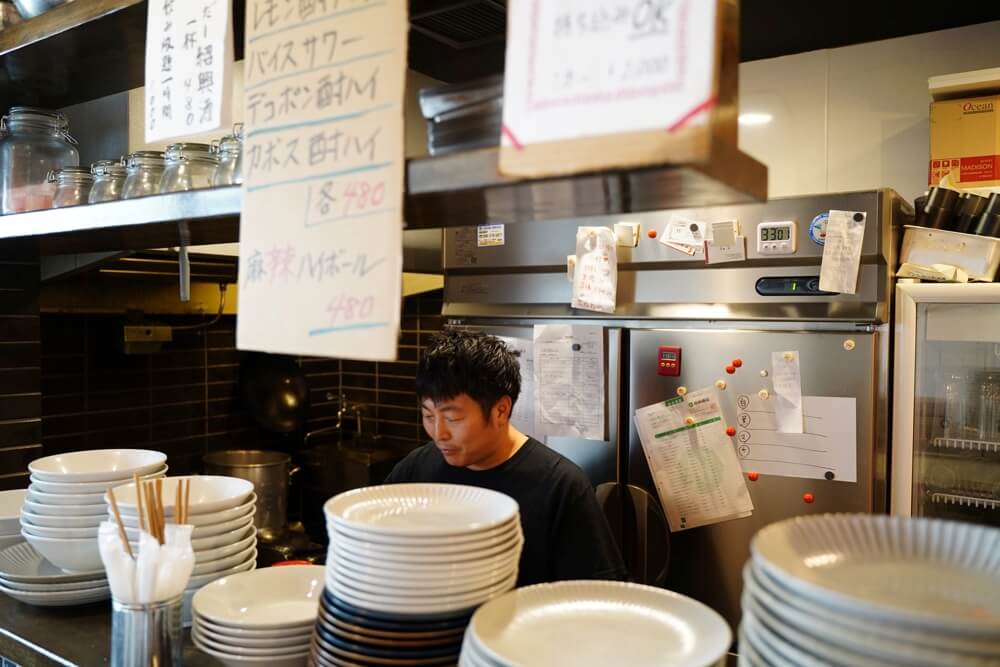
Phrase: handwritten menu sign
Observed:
(321, 231)
(580, 69)
(189, 47)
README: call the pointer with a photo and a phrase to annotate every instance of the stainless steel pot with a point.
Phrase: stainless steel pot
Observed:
(270, 473)
(29, 9)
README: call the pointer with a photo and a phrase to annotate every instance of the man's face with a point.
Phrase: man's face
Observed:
(463, 435)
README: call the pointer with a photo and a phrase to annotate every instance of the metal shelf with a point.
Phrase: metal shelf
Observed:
(968, 445)
(965, 501)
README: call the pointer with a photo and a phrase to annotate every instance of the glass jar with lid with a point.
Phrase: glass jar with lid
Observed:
(73, 186)
(34, 142)
(189, 167)
(144, 171)
(109, 178)
(231, 158)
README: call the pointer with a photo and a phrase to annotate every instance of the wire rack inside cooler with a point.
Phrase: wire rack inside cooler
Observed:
(961, 500)
(984, 446)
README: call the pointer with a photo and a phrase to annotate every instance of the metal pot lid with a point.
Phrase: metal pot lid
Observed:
(107, 168)
(80, 174)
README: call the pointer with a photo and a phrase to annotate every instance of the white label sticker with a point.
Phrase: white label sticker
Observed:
(716, 253)
(845, 232)
(786, 378)
(489, 236)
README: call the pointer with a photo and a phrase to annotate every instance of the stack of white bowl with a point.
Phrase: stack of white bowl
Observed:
(65, 501)
(847, 589)
(264, 617)
(221, 510)
(10, 516)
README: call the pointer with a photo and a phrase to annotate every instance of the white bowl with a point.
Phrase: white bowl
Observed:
(89, 487)
(249, 538)
(64, 510)
(36, 496)
(62, 533)
(220, 540)
(97, 465)
(271, 598)
(209, 493)
(224, 563)
(288, 638)
(295, 660)
(223, 529)
(131, 518)
(10, 509)
(201, 580)
(250, 651)
(231, 634)
(83, 521)
(69, 555)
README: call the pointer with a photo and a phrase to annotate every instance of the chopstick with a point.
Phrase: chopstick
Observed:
(187, 499)
(121, 526)
(138, 500)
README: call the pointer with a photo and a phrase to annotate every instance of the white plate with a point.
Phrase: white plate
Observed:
(270, 598)
(23, 563)
(75, 499)
(746, 652)
(59, 598)
(96, 465)
(377, 568)
(230, 634)
(75, 556)
(599, 623)
(248, 508)
(63, 533)
(403, 581)
(421, 509)
(64, 510)
(209, 493)
(779, 653)
(423, 605)
(389, 555)
(49, 486)
(284, 642)
(224, 563)
(250, 651)
(421, 595)
(940, 575)
(9, 541)
(10, 509)
(882, 638)
(296, 660)
(45, 521)
(55, 587)
(421, 541)
(443, 551)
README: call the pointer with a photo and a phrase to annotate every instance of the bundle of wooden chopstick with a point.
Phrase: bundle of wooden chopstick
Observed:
(149, 508)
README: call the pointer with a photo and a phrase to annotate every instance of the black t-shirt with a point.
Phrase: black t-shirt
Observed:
(566, 535)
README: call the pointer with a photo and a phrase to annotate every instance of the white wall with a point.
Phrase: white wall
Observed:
(854, 118)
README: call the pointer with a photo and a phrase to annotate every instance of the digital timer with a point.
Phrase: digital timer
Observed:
(776, 238)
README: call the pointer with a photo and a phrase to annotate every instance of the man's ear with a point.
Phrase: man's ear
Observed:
(501, 410)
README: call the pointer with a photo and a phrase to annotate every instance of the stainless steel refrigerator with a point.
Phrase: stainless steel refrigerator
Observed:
(707, 317)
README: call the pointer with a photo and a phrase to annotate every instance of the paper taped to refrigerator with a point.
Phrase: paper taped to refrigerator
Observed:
(826, 449)
(786, 380)
(838, 271)
(692, 461)
(595, 276)
(569, 381)
(523, 416)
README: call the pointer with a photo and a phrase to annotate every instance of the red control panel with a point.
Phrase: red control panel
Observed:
(668, 361)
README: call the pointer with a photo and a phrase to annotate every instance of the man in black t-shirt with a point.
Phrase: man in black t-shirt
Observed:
(468, 384)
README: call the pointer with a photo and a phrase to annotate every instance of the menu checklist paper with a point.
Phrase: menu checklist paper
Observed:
(321, 230)
(569, 381)
(189, 53)
(693, 462)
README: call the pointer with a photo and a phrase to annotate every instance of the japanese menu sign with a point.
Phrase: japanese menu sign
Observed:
(189, 53)
(321, 230)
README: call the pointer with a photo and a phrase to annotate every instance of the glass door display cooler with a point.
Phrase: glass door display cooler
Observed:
(946, 423)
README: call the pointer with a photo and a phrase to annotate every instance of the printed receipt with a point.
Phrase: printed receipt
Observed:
(569, 381)
(838, 271)
(694, 465)
(523, 416)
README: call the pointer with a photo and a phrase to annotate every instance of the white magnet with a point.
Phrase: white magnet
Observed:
(763, 374)
(627, 234)
(849, 344)
(721, 385)
(764, 394)
(789, 356)
(570, 267)
(682, 391)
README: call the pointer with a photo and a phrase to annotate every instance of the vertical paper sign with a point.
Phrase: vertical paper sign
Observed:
(586, 68)
(786, 379)
(523, 417)
(321, 231)
(845, 233)
(595, 275)
(569, 381)
(189, 53)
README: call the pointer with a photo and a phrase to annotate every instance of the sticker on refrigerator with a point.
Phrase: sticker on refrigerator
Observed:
(692, 460)
(826, 449)
(489, 236)
(817, 228)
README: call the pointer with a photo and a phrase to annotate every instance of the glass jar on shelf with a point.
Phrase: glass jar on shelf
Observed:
(189, 167)
(33, 143)
(144, 171)
(109, 178)
(231, 158)
(73, 186)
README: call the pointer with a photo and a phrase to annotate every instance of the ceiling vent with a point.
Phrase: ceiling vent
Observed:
(463, 25)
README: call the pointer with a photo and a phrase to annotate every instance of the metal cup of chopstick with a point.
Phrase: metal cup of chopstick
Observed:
(146, 635)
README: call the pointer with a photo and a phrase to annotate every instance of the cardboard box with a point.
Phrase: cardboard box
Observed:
(965, 142)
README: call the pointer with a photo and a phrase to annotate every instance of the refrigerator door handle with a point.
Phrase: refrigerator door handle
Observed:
(639, 525)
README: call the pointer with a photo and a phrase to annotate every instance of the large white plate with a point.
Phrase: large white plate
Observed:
(417, 606)
(270, 598)
(403, 596)
(599, 623)
(443, 547)
(58, 598)
(22, 563)
(404, 581)
(817, 619)
(250, 651)
(97, 465)
(296, 660)
(381, 538)
(779, 653)
(90, 487)
(283, 641)
(55, 587)
(231, 634)
(377, 567)
(941, 575)
(389, 555)
(421, 509)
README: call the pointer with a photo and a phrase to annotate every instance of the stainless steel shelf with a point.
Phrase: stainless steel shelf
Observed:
(965, 501)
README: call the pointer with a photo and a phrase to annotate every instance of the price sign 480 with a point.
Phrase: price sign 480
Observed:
(346, 308)
(336, 199)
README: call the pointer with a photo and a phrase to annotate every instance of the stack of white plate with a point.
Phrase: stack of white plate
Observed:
(26, 576)
(595, 624)
(264, 617)
(10, 516)
(221, 510)
(850, 589)
(65, 501)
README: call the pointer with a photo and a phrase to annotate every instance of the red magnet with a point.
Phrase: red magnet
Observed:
(754, 476)
(730, 431)
(730, 369)
(808, 498)
(737, 362)
(651, 233)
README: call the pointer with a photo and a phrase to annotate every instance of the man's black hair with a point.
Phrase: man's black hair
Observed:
(468, 362)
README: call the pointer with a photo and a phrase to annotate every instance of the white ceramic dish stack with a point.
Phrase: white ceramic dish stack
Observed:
(851, 589)
(65, 502)
(10, 516)
(221, 510)
(264, 617)
(595, 624)
(26, 576)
